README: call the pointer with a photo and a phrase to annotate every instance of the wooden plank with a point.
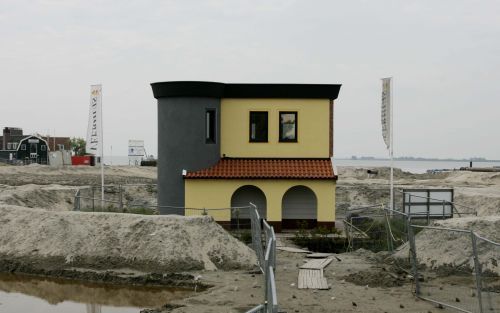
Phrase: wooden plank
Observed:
(316, 264)
(300, 281)
(319, 255)
(295, 250)
(312, 279)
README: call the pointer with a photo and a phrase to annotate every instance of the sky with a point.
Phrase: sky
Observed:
(444, 57)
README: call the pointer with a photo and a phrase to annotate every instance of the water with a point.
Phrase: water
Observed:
(416, 167)
(47, 295)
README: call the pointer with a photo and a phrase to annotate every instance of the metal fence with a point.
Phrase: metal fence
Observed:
(266, 255)
(142, 199)
(379, 228)
(26, 161)
(472, 286)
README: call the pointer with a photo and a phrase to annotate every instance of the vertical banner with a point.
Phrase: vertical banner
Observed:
(94, 129)
(386, 110)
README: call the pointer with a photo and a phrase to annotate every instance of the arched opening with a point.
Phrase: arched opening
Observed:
(241, 198)
(299, 208)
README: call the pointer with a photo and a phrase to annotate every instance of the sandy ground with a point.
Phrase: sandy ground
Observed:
(166, 243)
(361, 282)
(437, 248)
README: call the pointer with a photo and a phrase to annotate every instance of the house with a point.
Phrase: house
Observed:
(27, 149)
(225, 145)
(58, 143)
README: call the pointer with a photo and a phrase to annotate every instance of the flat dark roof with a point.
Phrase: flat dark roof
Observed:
(222, 90)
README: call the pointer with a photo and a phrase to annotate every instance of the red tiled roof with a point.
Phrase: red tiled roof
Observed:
(228, 168)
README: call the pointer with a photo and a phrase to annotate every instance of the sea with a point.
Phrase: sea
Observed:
(412, 166)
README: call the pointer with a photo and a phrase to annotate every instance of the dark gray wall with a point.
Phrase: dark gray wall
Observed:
(181, 145)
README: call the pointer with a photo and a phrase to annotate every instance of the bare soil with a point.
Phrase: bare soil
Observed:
(360, 282)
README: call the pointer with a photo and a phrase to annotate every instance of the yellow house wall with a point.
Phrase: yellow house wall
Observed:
(313, 128)
(216, 193)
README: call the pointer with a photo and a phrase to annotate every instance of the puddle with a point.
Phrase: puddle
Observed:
(47, 295)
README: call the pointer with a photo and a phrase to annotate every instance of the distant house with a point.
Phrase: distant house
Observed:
(20, 148)
(58, 143)
(16, 147)
(225, 145)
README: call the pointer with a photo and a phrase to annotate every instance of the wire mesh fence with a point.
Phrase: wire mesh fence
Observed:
(130, 198)
(142, 199)
(465, 278)
(489, 262)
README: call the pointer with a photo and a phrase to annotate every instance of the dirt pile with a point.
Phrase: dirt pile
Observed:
(439, 249)
(75, 175)
(112, 241)
(48, 197)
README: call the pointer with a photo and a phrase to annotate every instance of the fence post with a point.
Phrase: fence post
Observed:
(76, 206)
(120, 197)
(477, 270)
(93, 199)
(409, 204)
(388, 232)
(444, 204)
(413, 256)
(238, 219)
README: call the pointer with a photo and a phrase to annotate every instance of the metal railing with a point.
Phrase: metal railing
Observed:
(266, 256)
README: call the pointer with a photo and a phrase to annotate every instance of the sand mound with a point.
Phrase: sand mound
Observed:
(484, 200)
(445, 249)
(48, 197)
(75, 175)
(107, 241)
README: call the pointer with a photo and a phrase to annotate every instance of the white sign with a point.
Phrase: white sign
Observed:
(136, 148)
(94, 139)
(33, 141)
(386, 110)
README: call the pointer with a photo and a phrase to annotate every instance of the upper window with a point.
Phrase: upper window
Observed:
(23, 146)
(60, 146)
(43, 148)
(288, 126)
(210, 125)
(9, 146)
(258, 127)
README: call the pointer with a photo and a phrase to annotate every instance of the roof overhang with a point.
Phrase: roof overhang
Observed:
(222, 90)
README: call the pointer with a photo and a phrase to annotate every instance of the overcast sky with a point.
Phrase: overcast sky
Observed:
(444, 56)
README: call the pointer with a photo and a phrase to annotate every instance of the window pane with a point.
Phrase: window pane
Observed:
(258, 126)
(210, 126)
(288, 126)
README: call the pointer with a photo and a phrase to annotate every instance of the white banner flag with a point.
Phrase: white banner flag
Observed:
(386, 110)
(94, 129)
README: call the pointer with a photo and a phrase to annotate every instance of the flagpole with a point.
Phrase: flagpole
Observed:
(391, 141)
(102, 154)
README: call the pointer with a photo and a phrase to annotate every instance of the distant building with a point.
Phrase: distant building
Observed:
(17, 147)
(225, 145)
(58, 143)
(136, 152)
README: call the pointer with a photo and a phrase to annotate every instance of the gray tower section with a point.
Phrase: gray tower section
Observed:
(182, 145)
